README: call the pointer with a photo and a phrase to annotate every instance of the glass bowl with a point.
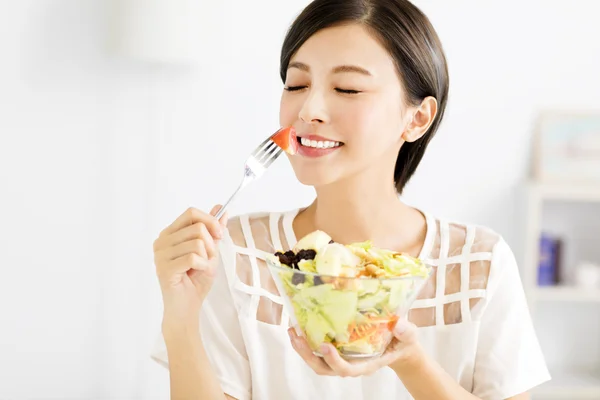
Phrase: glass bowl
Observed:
(355, 314)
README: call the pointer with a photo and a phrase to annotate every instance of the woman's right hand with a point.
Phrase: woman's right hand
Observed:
(186, 255)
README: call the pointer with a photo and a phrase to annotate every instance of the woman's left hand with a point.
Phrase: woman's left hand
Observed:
(403, 350)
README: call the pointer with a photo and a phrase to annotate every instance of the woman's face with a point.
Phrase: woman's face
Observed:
(342, 90)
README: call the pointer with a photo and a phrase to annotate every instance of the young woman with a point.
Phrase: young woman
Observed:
(366, 85)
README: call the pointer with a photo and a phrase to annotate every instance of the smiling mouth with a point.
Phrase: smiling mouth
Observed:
(319, 144)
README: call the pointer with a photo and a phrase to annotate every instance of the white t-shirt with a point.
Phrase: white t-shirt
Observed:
(472, 319)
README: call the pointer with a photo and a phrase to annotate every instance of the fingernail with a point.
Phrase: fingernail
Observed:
(324, 349)
(401, 327)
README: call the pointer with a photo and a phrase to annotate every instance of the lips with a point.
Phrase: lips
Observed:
(317, 146)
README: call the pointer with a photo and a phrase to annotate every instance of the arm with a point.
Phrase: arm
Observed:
(426, 380)
(206, 354)
(522, 396)
(508, 362)
(190, 371)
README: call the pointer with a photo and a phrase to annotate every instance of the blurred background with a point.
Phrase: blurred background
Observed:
(118, 115)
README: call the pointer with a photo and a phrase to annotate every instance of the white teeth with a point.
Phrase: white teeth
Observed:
(318, 144)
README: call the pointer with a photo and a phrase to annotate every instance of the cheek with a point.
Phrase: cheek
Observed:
(367, 122)
(288, 110)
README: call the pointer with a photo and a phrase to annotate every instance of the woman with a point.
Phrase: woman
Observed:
(369, 76)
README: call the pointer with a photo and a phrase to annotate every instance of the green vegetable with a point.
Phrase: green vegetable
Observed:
(328, 312)
(352, 313)
(307, 266)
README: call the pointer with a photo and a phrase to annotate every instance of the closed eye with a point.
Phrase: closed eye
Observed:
(294, 88)
(339, 90)
(347, 91)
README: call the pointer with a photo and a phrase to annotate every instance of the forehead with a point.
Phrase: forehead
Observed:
(351, 44)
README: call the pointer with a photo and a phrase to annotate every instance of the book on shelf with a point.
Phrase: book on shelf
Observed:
(549, 267)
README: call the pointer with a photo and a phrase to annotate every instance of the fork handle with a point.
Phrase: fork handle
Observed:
(222, 210)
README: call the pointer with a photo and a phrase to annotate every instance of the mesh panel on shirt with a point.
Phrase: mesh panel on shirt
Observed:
(460, 256)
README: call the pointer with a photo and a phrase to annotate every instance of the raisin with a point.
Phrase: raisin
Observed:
(317, 281)
(306, 255)
(297, 279)
(290, 254)
(331, 241)
(288, 258)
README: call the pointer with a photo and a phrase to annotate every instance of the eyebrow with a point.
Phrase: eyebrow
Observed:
(337, 70)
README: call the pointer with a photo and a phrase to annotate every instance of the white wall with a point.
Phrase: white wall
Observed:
(99, 152)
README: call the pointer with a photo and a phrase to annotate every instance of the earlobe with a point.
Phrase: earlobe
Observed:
(411, 136)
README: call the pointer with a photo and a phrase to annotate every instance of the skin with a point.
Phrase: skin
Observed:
(373, 124)
(185, 257)
(345, 87)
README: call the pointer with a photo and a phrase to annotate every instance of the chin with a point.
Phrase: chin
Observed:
(315, 176)
(314, 180)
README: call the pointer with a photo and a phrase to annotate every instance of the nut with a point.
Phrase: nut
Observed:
(372, 269)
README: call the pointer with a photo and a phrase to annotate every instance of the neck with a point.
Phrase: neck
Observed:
(360, 209)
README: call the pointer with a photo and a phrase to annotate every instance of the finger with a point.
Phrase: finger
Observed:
(184, 264)
(183, 235)
(188, 217)
(192, 216)
(224, 217)
(303, 349)
(342, 367)
(197, 231)
(214, 226)
(405, 332)
(392, 353)
(209, 242)
(195, 246)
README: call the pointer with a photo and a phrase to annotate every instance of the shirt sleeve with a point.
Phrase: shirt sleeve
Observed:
(509, 360)
(221, 333)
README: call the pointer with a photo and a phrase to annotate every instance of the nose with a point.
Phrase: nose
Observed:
(314, 108)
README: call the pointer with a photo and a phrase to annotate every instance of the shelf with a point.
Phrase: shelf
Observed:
(572, 192)
(566, 293)
(569, 386)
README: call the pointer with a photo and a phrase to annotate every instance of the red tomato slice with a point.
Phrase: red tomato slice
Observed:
(286, 139)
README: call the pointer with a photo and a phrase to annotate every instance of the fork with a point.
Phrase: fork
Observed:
(257, 163)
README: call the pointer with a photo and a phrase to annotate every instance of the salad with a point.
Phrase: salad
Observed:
(348, 295)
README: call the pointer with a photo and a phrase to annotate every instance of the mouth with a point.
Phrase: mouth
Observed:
(318, 142)
(314, 146)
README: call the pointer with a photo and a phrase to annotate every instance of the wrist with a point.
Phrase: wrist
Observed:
(414, 362)
(179, 326)
(177, 311)
(182, 340)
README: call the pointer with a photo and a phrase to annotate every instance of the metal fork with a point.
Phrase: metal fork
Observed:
(261, 158)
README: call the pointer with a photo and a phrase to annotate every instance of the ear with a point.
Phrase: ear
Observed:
(422, 118)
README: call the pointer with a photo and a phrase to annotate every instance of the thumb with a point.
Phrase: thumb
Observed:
(224, 217)
(405, 331)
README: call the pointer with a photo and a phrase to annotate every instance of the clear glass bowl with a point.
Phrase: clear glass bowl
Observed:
(356, 315)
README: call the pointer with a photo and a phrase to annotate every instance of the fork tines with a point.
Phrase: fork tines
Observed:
(267, 152)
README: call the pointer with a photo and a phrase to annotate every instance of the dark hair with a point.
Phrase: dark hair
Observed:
(408, 36)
